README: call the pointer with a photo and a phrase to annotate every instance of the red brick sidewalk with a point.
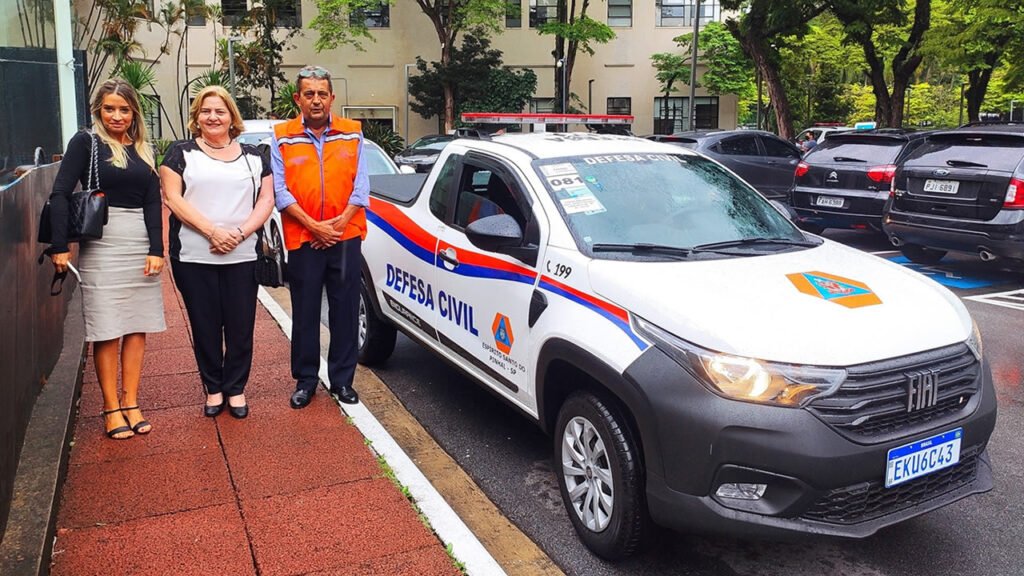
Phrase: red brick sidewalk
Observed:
(284, 492)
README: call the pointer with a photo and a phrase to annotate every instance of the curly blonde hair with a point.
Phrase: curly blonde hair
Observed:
(236, 127)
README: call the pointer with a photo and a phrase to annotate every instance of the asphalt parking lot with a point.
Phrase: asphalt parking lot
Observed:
(511, 461)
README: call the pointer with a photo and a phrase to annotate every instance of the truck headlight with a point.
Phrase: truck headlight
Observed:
(746, 379)
(974, 341)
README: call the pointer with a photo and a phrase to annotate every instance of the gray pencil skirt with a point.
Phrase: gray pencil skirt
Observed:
(117, 298)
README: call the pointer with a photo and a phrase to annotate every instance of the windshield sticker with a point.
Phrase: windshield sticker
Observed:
(615, 158)
(842, 291)
(552, 170)
(580, 199)
(560, 182)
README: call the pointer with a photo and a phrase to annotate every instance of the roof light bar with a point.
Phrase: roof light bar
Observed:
(505, 118)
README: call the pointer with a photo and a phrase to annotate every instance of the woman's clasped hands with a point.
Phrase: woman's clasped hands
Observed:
(223, 240)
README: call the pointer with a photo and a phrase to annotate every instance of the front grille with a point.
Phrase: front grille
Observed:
(870, 500)
(871, 405)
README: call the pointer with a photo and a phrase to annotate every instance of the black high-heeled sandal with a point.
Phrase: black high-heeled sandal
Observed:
(119, 429)
(138, 424)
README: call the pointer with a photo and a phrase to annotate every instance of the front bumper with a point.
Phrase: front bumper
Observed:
(818, 480)
(1002, 236)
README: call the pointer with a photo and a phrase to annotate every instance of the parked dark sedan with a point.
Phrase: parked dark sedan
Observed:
(763, 159)
(963, 191)
(422, 154)
(844, 181)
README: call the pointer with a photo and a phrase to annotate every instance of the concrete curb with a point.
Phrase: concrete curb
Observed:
(28, 542)
(445, 522)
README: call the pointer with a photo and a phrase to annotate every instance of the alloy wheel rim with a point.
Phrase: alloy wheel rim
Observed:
(587, 472)
(362, 321)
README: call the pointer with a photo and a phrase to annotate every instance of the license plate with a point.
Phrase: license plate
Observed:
(829, 201)
(941, 186)
(923, 457)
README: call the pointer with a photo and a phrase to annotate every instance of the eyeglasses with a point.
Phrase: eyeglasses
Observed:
(314, 72)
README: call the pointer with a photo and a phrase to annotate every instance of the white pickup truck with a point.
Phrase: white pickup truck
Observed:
(699, 361)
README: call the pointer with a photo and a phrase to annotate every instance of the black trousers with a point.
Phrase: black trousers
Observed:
(310, 271)
(221, 304)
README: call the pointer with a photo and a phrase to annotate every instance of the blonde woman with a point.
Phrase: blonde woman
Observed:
(121, 294)
(220, 193)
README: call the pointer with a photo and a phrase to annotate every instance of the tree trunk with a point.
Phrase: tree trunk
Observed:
(449, 93)
(975, 94)
(758, 52)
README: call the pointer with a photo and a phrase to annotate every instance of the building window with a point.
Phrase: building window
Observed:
(289, 14)
(674, 115)
(233, 11)
(380, 17)
(542, 12)
(513, 14)
(620, 13)
(196, 16)
(680, 12)
(620, 106)
(152, 117)
(542, 105)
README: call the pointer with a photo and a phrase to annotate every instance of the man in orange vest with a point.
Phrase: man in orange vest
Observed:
(321, 189)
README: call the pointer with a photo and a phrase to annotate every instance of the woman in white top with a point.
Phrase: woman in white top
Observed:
(220, 193)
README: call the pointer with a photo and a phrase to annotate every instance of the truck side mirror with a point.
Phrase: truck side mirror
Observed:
(492, 233)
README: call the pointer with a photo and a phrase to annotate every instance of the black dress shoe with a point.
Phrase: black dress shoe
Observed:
(211, 411)
(346, 394)
(301, 398)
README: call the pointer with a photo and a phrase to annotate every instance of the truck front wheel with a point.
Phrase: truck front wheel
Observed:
(600, 476)
(376, 336)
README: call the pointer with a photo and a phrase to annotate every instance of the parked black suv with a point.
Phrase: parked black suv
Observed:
(763, 159)
(961, 190)
(844, 181)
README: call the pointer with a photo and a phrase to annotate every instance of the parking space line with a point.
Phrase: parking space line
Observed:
(1013, 299)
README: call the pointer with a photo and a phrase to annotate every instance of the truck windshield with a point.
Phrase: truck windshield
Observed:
(666, 200)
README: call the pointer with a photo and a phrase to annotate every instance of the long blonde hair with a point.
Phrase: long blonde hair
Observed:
(137, 130)
(236, 127)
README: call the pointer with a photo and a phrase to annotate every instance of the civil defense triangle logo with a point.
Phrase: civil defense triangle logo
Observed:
(502, 330)
(829, 287)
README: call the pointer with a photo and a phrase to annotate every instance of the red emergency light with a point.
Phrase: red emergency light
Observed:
(505, 118)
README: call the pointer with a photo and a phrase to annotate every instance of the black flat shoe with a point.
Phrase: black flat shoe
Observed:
(346, 394)
(301, 398)
(239, 411)
(211, 411)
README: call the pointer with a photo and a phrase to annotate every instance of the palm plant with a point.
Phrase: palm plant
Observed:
(385, 137)
(284, 102)
(141, 78)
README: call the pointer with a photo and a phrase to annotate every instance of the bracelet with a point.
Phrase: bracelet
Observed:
(242, 234)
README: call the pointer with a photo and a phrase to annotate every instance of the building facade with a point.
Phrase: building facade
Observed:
(371, 84)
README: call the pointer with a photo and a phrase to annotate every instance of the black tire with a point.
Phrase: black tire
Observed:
(812, 228)
(921, 255)
(275, 240)
(625, 527)
(376, 336)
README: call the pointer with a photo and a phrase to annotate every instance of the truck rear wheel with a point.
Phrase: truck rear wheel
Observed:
(600, 476)
(376, 336)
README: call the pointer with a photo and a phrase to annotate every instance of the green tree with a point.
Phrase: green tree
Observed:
(107, 31)
(815, 68)
(669, 69)
(759, 26)
(727, 69)
(573, 32)
(258, 61)
(972, 36)
(886, 29)
(450, 18)
(504, 90)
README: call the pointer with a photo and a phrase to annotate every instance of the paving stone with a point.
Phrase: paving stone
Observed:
(174, 430)
(210, 540)
(429, 561)
(117, 491)
(342, 525)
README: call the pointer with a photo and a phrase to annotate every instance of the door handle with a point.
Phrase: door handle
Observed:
(448, 255)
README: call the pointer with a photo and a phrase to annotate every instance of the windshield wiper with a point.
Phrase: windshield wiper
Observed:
(848, 159)
(642, 248)
(713, 246)
(965, 163)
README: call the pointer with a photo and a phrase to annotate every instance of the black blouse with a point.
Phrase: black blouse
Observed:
(135, 186)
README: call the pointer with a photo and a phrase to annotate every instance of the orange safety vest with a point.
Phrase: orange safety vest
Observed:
(321, 186)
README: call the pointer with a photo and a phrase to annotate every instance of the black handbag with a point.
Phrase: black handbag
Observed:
(87, 209)
(268, 265)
